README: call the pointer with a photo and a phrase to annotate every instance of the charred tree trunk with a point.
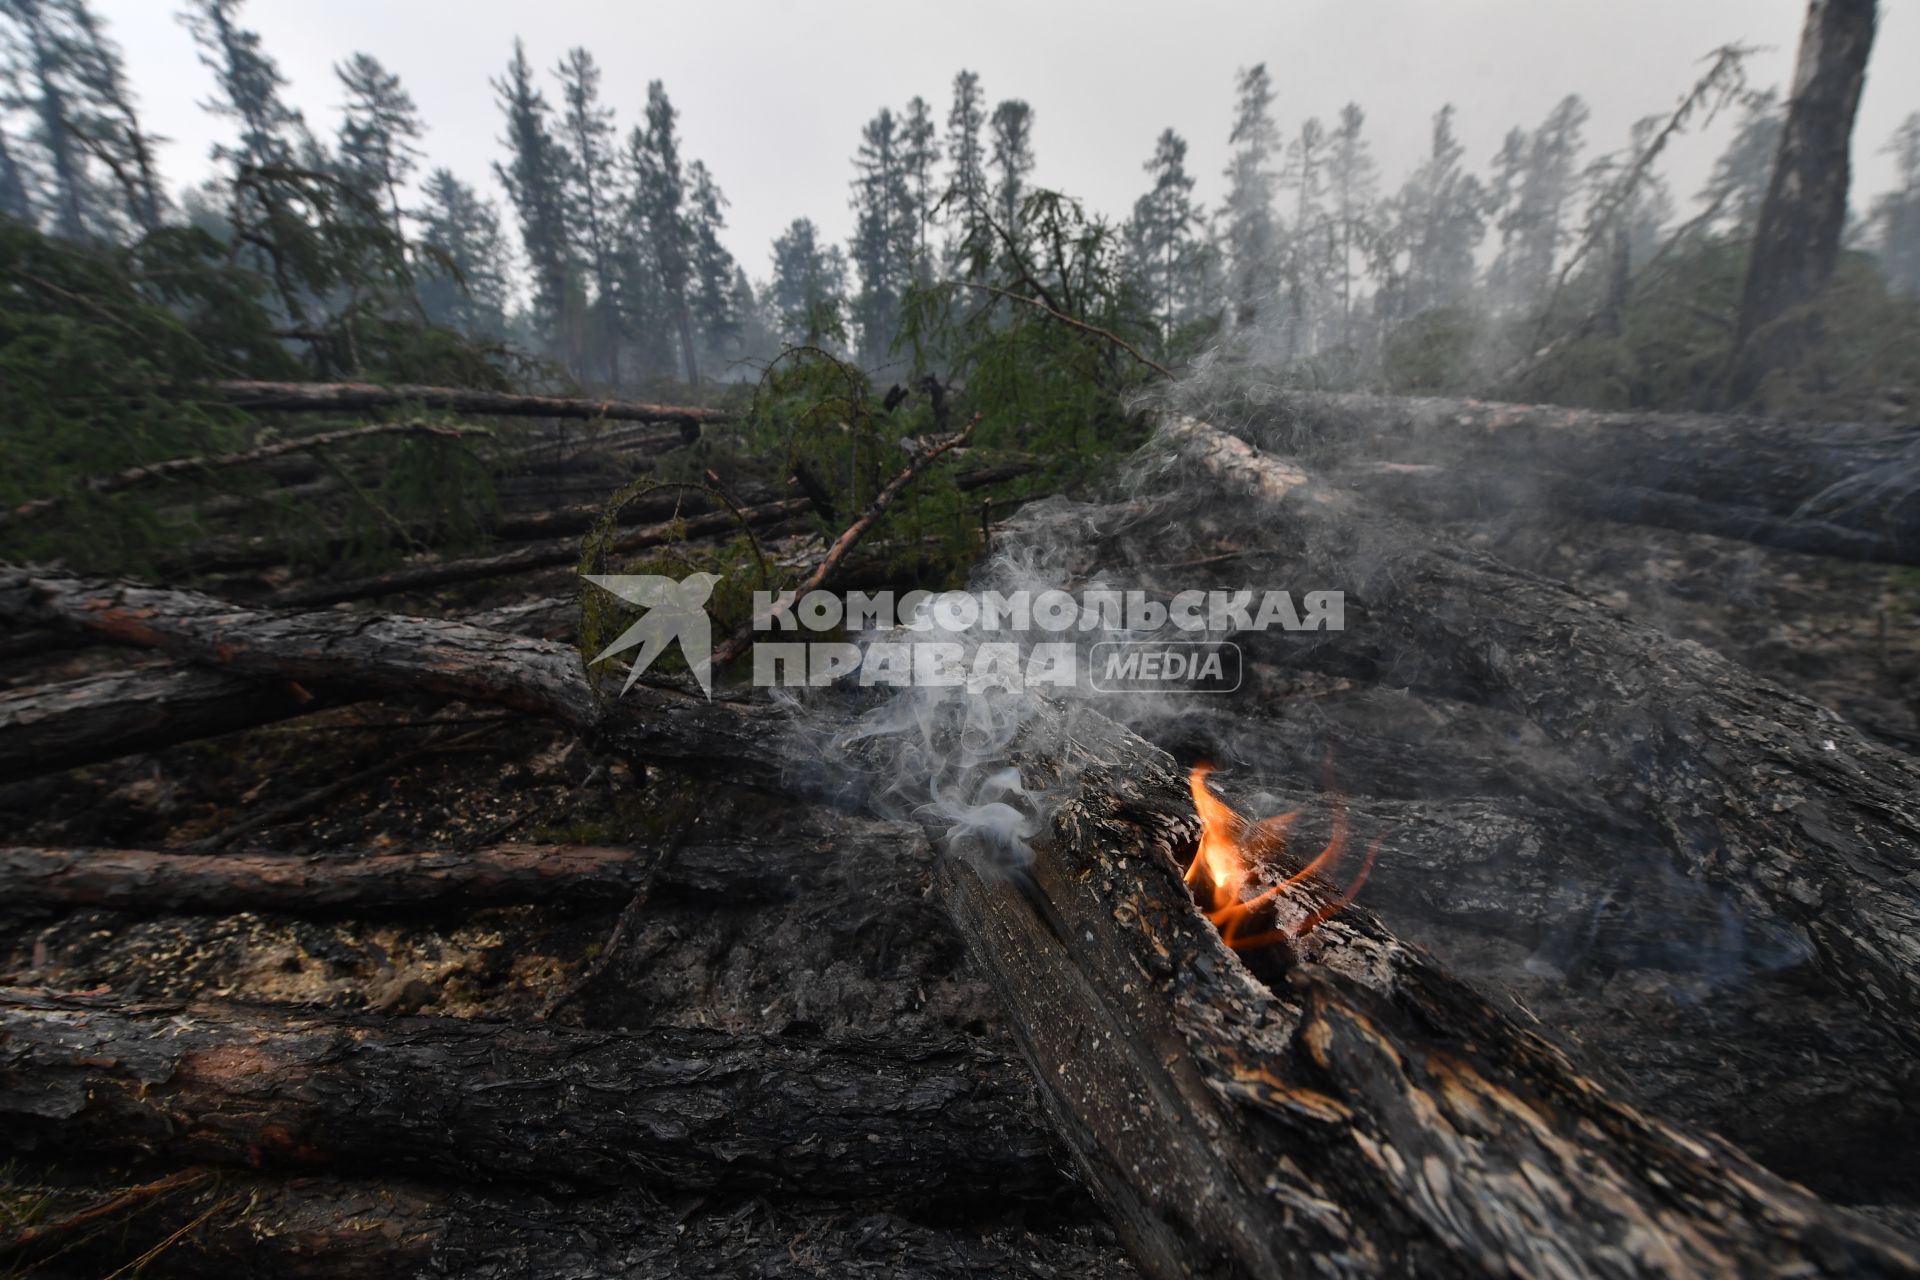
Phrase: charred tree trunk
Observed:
(667, 1108)
(1797, 242)
(1840, 489)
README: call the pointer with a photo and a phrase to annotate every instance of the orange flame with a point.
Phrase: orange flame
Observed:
(1232, 849)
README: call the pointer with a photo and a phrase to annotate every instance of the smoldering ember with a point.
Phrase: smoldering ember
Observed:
(578, 699)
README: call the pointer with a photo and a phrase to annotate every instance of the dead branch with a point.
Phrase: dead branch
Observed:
(849, 538)
(1066, 319)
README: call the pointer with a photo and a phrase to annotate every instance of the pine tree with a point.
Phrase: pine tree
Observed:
(966, 196)
(464, 282)
(1252, 240)
(272, 134)
(1443, 218)
(535, 179)
(885, 228)
(919, 153)
(1536, 184)
(41, 51)
(1163, 238)
(1305, 175)
(1896, 215)
(1351, 179)
(1739, 180)
(808, 291)
(660, 202)
(377, 135)
(715, 305)
(588, 192)
(1012, 159)
(111, 131)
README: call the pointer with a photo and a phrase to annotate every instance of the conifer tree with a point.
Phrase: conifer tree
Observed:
(660, 203)
(716, 312)
(1252, 239)
(919, 153)
(534, 176)
(1163, 237)
(966, 196)
(1351, 180)
(1012, 159)
(589, 194)
(808, 291)
(378, 134)
(464, 282)
(885, 227)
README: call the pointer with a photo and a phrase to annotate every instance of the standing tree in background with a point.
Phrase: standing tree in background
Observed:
(1012, 159)
(44, 61)
(716, 311)
(885, 228)
(589, 192)
(1163, 237)
(1896, 215)
(1252, 239)
(808, 293)
(272, 134)
(1796, 243)
(1536, 181)
(60, 66)
(1443, 212)
(1305, 176)
(377, 135)
(463, 283)
(1739, 180)
(966, 196)
(660, 203)
(535, 178)
(919, 153)
(1351, 179)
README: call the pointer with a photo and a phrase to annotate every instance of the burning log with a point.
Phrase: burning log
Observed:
(666, 1108)
(1768, 795)
(347, 397)
(1842, 489)
(1358, 1112)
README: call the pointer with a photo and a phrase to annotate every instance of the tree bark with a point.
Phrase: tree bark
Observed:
(674, 1109)
(338, 397)
(1843, 489)
(1797, 241)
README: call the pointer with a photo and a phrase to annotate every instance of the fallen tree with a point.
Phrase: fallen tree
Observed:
(152, 882)
(1843, 489)
(338, 397)
(667, 1108)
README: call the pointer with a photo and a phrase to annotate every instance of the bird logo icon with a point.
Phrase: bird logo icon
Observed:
(676, 613)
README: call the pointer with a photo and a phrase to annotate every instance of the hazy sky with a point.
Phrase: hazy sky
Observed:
(772, 94)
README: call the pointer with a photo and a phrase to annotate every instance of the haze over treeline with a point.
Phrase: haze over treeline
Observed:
(611, 255)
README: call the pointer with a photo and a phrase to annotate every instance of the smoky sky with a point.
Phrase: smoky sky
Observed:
(772, 95)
